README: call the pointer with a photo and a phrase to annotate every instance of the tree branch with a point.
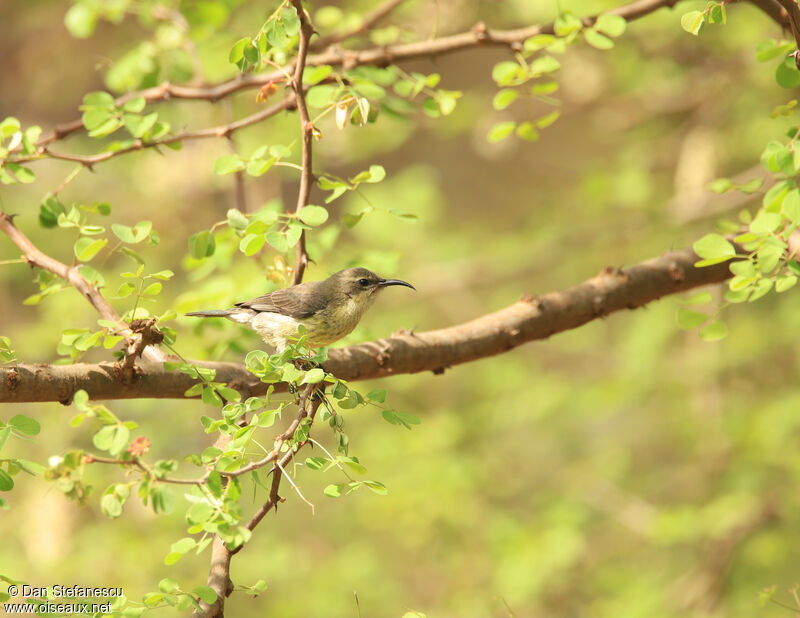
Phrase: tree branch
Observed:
(478, 36)
(225, 130)
(219, 575)
(367, 23)
(33, 256)
(307, 130)
(793, 12)
(530, 319)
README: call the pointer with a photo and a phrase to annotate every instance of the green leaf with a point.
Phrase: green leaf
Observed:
(124, 233)
(237, 220)
(317, 74)
(612, 25)
(713, 248)
(597, 40)
(252, 244)
(81, 20)
(86, 248)
(126, 289)
(154, 289)
(376, 487)
(111, 506)
(237, 51)
(378, 395)
(313, 376)
(501, 131)
(527, 131)
(228, 164)
(546, 121)
(692, 22)
(787, 75)
(506, 72)
(24, 425)
(6, 482)
(168, 585)
(278, 241)
(537, 42)
(544, 65)
(785, 283)
(566, 24)
(313, 215)
(768, 50)
(316, 463)
(700, 298)
(689, 320)
(714, 331)
(504, 98)
(205, 593)
(334, 491)
(202, 245)
(721, 185)
(184, 545)
(765, 223)
(258, 167)
(112, 438)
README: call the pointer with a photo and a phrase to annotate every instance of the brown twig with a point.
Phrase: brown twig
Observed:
(477, 36)
(307, 129)
(225, 130)
(774, 10)
(138, 463)
(367, 23)
(793, 12)
(530, 319)
(308, 409)
(219, 574)
(33, 256)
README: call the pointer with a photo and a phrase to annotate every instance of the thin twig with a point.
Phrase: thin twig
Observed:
(296, 488)
(225, 130)
(478, 36)
(367, 23)
(33, 256)
(307, 130)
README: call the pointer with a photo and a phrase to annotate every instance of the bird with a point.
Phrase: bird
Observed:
(329, 309)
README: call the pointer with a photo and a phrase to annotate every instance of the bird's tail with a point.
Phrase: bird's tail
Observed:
(213, 313)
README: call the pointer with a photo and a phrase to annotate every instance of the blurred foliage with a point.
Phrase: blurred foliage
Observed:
(623, 469)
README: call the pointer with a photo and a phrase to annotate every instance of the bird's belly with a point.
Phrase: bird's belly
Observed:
(275, 329)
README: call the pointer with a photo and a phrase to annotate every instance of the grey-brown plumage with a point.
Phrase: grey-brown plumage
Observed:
(328, 309)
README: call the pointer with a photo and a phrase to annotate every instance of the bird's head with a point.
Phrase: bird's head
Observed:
(362, 285)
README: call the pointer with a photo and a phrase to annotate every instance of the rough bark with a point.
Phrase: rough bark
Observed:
(529, 319)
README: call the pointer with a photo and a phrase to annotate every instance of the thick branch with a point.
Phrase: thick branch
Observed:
(33, 256)
(529, 319)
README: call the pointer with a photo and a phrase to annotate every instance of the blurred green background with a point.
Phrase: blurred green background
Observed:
(623, 469)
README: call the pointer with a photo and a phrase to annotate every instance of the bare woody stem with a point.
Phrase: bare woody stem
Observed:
(219, 573)
(478, 36)
(225, 130)
(33, 256)
(367, 23)
(307, 129)
(530, 319)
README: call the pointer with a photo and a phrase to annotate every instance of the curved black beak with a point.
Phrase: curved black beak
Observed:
(387, 282)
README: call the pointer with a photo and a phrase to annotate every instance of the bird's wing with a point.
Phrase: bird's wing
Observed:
(297, 302)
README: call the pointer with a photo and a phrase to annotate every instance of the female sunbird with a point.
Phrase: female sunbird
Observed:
(328, 309)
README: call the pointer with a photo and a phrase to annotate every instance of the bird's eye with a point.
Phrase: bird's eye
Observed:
(363, 282)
